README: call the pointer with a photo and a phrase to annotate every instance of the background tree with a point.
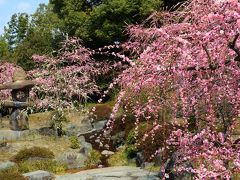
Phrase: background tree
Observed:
(16, 30)
(3, 47)
(39, 34)
(102, 22)
(43, 36)
(172, 4)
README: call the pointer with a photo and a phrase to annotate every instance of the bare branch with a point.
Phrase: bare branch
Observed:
(208, 54)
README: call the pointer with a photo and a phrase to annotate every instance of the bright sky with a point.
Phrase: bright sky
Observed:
(9, 7)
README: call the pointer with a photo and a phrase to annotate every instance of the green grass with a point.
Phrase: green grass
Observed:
(120, 159)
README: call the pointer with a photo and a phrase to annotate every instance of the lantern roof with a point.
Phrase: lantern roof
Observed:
(19, 81)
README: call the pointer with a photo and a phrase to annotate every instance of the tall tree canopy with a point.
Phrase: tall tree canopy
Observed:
(36, 34)
(102, 22)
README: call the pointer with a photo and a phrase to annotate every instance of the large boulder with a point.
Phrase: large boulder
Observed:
(39, 175)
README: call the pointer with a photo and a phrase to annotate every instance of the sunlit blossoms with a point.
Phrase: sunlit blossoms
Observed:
(6, 71)
(188, 62)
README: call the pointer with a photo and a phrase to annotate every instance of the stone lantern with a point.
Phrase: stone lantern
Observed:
(20, 88)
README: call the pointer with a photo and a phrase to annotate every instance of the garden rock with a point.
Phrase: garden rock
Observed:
(91, 131)
(99, 124)
(140, 160)
(148, 165)
(158, 160)
(73, 129)
(81, 139)
(118, 139)
(106, 146)
(85, 148)
(6, 165)
(73, 160)
(3, 145)
(47, 131)
(169, 165)
(107, 153)
(39, 175)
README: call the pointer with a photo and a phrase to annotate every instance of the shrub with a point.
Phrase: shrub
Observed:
(11, 174)
(74, 143)
(127, 125)
(25, 154)
(47, 165)
(131, 138)
(94, 159)
(154, 141)
(131, 149)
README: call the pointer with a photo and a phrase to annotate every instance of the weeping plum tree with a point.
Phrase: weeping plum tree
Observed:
(67, 78)
(190, 65)
(70, 78)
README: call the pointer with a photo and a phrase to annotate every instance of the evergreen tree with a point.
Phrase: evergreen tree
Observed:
(16, 30)
(3, 47)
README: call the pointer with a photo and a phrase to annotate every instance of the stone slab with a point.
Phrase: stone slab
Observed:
(111, 173)
(10, 135)
(39, 175)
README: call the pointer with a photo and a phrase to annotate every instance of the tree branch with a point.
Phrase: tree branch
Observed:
(232, 45)
(212, 66)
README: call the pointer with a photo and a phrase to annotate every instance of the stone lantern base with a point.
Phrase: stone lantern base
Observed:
(19, 121)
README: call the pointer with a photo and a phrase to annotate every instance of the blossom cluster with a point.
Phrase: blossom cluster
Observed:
(6, 71)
